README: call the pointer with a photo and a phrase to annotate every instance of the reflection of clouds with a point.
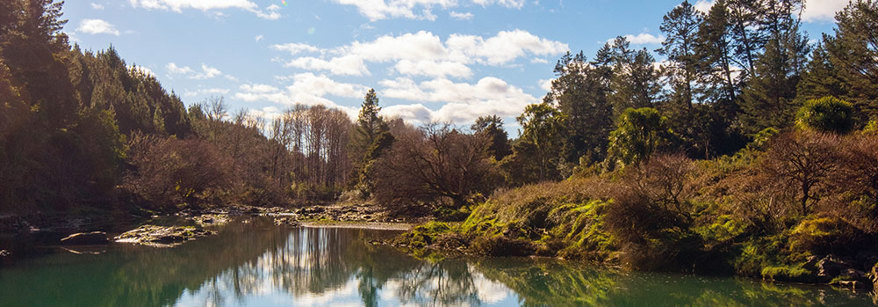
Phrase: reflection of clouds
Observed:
(489, 291)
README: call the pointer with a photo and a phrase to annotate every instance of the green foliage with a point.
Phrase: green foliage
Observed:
(538, 149)
(786, 273)
(824, 235)
(491, 127)
(827, 114)
(639, 133)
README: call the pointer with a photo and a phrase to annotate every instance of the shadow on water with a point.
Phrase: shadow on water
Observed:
(259, 264)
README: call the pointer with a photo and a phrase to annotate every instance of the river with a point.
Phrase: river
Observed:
(259, 264)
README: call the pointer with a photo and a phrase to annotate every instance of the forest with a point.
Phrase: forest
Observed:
(750, 148)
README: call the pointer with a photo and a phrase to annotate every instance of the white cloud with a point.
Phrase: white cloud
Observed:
(345, 65)
(270, 12)
(545, 84)
(418, 9)
(507, 3)
(97, 6)
(174, 69)
(503, 48)
(206, 72)
(295, 48)
(703, 5)
(259, 37)
(642, 39)
(381, 9)
(822, 10)
(306, 88)
(464, 102)
(433, 69)
(425, 54)
(97, 26)
(461, 16)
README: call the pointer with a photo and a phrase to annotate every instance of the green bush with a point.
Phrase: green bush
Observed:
(823, 235)
(827, 114)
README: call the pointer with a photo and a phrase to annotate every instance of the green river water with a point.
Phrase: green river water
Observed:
(259, 264)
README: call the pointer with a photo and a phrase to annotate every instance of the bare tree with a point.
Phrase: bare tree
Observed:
(434, 162)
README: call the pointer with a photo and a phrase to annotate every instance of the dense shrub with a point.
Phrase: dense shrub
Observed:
(827, 114)
(824, 235)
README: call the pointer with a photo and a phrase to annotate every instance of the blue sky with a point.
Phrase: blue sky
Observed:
(429, 60)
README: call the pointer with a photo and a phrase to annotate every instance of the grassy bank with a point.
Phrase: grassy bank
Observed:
(722, 216)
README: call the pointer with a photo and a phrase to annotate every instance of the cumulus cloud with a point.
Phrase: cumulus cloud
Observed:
(822, 10)
(461, 16)
(306, 88)
(97, 6)
(464, 102)
(345, 66)
(206, 72)
(417, 9)
(97, 26)
(424, 53)
(270, 12)
(433, 68)
(643, 39)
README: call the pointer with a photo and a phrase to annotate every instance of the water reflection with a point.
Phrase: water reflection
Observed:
(258, 264)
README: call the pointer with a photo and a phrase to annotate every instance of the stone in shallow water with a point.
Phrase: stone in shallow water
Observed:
(88, 238)
(162, 236)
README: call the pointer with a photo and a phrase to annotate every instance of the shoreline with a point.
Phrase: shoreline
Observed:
(359, 225)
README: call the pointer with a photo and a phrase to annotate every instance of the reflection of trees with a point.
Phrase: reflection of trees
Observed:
(444, 283)
(544, 282)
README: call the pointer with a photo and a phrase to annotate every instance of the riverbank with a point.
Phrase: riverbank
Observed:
(584, 220)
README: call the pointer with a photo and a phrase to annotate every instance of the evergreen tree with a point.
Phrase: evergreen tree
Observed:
(769, 96)
(492, 128)
(853, 51)
(820, 78)
(370, 138)
(581, 95)
(634, 82)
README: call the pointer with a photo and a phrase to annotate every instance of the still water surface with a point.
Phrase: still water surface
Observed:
(258, 264)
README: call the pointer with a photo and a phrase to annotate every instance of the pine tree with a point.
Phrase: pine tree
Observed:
(491, 127)
(370, 138)
(769, 97)
(854, 53)
(580, 93)
(634, 82)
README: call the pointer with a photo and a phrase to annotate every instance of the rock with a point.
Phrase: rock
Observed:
(162, 236)
(286, 221)
(831, 266)
(89, 238)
